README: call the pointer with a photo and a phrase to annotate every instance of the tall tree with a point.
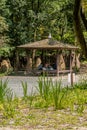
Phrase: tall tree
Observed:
(77, 24)
(15, 19)
(3, 22)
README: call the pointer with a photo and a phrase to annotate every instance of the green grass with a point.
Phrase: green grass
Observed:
(4, 90)
(53, 108)
(58, 94)
(2, 74)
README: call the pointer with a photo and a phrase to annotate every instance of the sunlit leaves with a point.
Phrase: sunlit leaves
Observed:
(3, 29)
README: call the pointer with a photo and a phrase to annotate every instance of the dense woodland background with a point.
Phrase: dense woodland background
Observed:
(23, 21)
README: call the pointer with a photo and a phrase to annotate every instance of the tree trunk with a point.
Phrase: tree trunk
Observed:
(77, 26)
(84, 19)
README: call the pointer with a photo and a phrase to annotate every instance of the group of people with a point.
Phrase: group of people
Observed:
(46, 66)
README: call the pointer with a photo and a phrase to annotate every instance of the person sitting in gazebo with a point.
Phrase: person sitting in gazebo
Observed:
(47, 66)
(40, 67)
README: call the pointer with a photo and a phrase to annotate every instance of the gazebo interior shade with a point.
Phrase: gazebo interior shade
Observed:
(48, 44)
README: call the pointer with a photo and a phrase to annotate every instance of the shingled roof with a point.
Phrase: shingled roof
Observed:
(48, 44)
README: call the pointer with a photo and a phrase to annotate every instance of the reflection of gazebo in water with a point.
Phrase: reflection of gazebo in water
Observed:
(47, 45)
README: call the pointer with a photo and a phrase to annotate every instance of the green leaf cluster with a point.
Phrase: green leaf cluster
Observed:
(30, 20)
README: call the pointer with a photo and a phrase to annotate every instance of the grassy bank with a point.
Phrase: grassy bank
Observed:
(53, 107)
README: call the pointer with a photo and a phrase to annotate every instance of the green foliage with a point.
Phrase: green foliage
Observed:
(58, 94)
(3, 9)
(3, 25)
(9, 106)
(25, 88)
(9, 110)
(82, 84)
(3, 90)
(6, 99)
(27, 98)
(39, 102)
(25, 21)
(51, 91)
(3, 29)
(6, 51)
(43, 88)
(61, 97)
(40, 86)
(29, 21)
(31, 98)
(80, 101)
(71, 100)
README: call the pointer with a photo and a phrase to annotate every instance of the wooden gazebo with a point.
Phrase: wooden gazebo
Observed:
(50, 44)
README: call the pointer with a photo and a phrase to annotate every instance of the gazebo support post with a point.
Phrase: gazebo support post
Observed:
(46, 56)
(57, 62)
(42, 56)
(71, 73)
(16, 66)
(33, 58)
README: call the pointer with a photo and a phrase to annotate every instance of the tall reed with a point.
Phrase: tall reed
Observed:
(80, 99)
(4, 90)
(25, 89)
(43, 87)
(28, 98)
(58, 94)
(31, 98)
(6, 98)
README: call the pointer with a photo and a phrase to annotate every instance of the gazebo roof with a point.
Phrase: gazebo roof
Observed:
(48, 44)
